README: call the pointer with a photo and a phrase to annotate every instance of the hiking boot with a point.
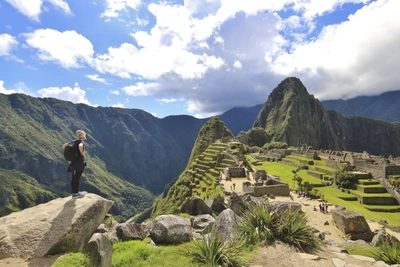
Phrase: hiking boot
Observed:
(78, 195)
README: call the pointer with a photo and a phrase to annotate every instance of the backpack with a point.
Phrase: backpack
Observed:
(71, 151)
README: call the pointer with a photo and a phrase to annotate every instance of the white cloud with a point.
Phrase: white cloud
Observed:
(75, 95)
(33, 8)
(20, 88)
(167, 101)
(68, 48)
(114, 92)
(95, 77)
(352, 58)
(113, 7)
(237, 64)
(141, 89)
(7, 43)
(119, 105)
(4, 90)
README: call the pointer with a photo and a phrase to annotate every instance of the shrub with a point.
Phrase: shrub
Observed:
(257, 225)
(294, 230)
(213, 251)
(260, 225)
(389, 251)
(73, 259)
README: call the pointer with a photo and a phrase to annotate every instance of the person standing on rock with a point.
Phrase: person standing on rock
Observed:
(77, 166)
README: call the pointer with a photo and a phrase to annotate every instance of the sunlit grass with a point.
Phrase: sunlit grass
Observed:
(329, 193)
(137, 253)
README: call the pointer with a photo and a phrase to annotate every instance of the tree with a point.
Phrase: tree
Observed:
(297, 178)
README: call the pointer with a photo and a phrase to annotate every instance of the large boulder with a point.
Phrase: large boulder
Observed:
(225, 223)
(61, 225)
(380, 236)
(171, 229)
(131, 231)
(282, 206)
(99, 249)
(195, 206)
(238, 205)
(218, 204)
(352, 224)
(202, 224)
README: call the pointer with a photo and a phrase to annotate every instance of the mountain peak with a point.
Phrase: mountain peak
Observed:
(289, 87)
(294, 116)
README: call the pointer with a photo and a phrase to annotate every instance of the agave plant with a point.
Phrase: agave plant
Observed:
(213, 251)
(294, 230)
(389, 251)
(258, 225)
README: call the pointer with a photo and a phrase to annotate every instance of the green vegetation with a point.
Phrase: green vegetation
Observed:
(260, 225)
(389, 251)
(198, 179)
(330, 194)
(73, 260)
(214, 251)
(345, 179)
(138, 253)
(254, 137)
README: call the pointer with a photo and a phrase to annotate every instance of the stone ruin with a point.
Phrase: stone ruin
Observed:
(268, 187)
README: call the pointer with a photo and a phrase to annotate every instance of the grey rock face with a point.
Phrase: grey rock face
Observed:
(61, 225)
(196, 206)
(171, 229)
(99, 249)
(225, 223)
(352, 224)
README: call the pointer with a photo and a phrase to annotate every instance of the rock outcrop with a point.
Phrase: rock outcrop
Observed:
(195, 206)
(171, 229)
(352, 223)
(61, 225)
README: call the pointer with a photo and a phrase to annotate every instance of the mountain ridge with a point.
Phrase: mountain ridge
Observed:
(134, 156)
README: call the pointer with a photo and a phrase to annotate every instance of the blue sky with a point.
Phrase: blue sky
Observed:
(196, 57)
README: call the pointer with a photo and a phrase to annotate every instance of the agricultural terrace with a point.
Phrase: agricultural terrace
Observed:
(321, 177)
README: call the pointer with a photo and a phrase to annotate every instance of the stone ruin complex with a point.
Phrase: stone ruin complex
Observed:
(377, 167)
(262, 184)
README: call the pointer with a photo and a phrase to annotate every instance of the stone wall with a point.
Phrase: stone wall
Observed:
(379, 173)
(372, 189)
(274, 187)
(377, 200)
(392, 170)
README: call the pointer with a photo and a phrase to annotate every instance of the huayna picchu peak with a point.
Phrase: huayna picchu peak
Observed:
(294, 116)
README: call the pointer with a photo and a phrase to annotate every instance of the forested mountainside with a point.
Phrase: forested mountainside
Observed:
(294, 116)
(131, 154)
(383, 107)
(173, 197)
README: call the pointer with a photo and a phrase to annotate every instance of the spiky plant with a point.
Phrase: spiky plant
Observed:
(389, 251)
(258, 225)
(294, 230)
(213, 251)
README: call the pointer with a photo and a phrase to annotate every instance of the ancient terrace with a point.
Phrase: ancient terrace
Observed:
(218, 171)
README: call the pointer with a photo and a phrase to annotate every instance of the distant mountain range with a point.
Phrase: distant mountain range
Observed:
(133, 156)
(382, 107)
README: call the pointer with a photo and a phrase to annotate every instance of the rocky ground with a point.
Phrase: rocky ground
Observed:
(283, 256)
(279, 255)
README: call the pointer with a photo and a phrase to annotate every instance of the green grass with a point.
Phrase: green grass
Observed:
(366, 251)
(329, 193)
(72, 260)
(137, 253)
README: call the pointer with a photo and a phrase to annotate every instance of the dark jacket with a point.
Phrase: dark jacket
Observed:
(80, 163)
